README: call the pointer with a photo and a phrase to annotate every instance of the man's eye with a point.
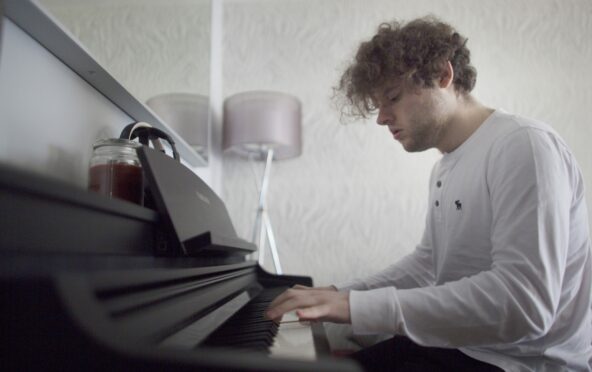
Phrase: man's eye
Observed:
(394, 98)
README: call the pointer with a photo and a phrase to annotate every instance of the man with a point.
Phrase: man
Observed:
(501, 279)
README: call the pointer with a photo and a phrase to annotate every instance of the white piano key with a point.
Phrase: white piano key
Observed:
(294, 340)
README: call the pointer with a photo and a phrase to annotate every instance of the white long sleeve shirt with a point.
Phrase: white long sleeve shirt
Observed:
(504, 269)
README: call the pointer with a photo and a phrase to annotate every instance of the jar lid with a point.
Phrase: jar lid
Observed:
(116, 142)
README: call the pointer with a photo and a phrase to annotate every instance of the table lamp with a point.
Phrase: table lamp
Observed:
(265, 125)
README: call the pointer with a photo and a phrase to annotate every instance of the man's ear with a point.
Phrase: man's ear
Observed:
(447, 76)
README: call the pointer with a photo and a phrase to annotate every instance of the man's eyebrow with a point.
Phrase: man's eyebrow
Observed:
(392, 90)
(380, 93)
(384, 93)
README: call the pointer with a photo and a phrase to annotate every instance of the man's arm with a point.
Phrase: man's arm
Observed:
(414, 270)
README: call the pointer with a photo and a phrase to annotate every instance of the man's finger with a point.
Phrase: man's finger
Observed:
(313, 313)
(282, 297)
(288, 302)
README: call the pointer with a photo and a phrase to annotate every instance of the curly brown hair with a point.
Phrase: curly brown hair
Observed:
(414, 53)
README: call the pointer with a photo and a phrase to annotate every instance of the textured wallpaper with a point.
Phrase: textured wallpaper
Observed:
(355, 201)
(151, 46)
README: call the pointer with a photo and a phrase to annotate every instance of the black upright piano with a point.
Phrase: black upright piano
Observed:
(83, 287)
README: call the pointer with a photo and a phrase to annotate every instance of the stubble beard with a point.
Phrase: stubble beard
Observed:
(424, 135)
(427, 126)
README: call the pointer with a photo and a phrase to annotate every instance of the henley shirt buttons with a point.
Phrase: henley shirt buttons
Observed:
(439, 183)
(437, 203)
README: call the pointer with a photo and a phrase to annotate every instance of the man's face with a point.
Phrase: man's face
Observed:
(417, 117)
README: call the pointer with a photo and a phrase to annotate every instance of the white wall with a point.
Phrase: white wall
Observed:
(355, 201)
(49, 116)
(151, 47)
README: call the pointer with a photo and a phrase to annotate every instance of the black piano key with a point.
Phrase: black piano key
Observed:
(253, 334)
(248, 328)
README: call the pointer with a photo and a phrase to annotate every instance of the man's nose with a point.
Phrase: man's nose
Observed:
(383, 118)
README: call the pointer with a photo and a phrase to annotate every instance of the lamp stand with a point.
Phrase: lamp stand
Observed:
(262, 229)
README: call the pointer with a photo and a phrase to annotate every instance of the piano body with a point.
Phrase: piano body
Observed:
(88, 282)
(82, 289)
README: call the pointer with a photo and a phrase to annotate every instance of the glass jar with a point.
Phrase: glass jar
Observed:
(115, 170)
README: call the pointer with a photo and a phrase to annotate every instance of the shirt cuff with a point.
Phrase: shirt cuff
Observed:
(375, 311)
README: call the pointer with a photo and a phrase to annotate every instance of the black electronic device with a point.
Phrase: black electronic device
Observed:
(190, 209)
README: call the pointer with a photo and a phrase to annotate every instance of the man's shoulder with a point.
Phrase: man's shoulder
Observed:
(526, 140)
(515, 130)
(506, 123)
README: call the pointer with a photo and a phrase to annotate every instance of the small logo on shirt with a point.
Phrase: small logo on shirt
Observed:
(458, 205)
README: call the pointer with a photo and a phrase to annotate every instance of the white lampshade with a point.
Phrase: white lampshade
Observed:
(187, 114)
(257, 120)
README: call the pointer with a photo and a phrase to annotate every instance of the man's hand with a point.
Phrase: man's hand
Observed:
(328, 288)
(323, 304)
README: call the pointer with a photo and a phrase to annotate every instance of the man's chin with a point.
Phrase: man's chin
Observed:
(408, 146)
(413, 147)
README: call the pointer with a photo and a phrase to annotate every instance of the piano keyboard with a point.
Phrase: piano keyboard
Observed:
(294, 340)
(249, 329)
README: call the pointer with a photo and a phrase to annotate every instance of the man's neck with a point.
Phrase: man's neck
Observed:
(465, 120)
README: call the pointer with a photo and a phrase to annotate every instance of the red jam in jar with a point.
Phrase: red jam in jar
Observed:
(115, 170)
